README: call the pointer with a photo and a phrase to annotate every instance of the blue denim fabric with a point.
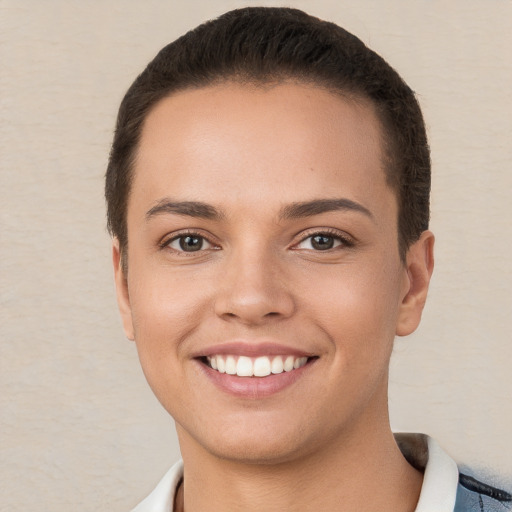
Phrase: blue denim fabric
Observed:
(475, 496)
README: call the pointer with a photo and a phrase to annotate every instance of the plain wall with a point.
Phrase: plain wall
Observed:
(80, 429)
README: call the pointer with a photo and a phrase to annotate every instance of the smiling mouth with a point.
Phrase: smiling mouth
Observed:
(262, 366)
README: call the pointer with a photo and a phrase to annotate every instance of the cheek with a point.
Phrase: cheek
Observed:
(165, 311)
(161, 321)
(162, 296)
(360, 306)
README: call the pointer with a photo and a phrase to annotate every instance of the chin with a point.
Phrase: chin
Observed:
(260, 442)
(258, 452)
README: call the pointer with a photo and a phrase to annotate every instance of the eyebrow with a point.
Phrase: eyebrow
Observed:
(318, 206)
(202, 210)
(188, 208)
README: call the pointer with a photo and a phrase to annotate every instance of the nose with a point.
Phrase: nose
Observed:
(253, 289)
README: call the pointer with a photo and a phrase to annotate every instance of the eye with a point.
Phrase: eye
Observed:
(189, 242)
(323, 242)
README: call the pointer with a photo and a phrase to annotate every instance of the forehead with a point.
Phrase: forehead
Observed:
(233, 140)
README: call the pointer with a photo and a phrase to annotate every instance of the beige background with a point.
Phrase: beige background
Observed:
(80, 429)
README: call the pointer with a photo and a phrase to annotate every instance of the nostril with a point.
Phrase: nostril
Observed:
(251, 306)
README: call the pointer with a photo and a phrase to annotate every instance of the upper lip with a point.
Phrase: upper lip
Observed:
(251, 349)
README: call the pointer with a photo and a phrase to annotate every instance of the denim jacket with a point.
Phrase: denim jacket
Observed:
(473, 495)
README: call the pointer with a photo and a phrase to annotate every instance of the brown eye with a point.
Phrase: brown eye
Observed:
(322, 242)
(189, 243)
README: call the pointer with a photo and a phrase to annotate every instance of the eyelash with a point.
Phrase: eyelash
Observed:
(345, 241)
(166, 242)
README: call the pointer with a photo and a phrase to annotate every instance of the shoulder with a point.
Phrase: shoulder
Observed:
(446, 484)
(478, 496)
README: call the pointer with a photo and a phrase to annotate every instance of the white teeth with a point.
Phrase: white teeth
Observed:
(221, 364)
(244, 366)
(262, 367)
(277, 365)
(230, 365)
(288, 364)
(301, 361)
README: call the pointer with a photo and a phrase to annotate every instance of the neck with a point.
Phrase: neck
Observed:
(364, 471)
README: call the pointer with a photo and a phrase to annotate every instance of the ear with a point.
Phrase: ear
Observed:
(123, 297)
(419, 267)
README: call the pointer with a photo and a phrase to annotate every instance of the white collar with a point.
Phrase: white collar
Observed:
(440, 473)
(162, 497)
(438, 491)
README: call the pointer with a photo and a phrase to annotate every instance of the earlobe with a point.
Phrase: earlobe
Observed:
(419, 267)
(123, 298)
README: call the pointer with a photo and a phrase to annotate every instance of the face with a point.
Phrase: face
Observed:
(264, 285)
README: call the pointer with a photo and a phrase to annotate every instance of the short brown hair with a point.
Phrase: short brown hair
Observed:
(268, 44)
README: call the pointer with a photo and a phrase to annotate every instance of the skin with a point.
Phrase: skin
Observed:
(251, 152)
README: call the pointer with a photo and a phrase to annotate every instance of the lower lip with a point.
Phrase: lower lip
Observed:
(255, 387)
